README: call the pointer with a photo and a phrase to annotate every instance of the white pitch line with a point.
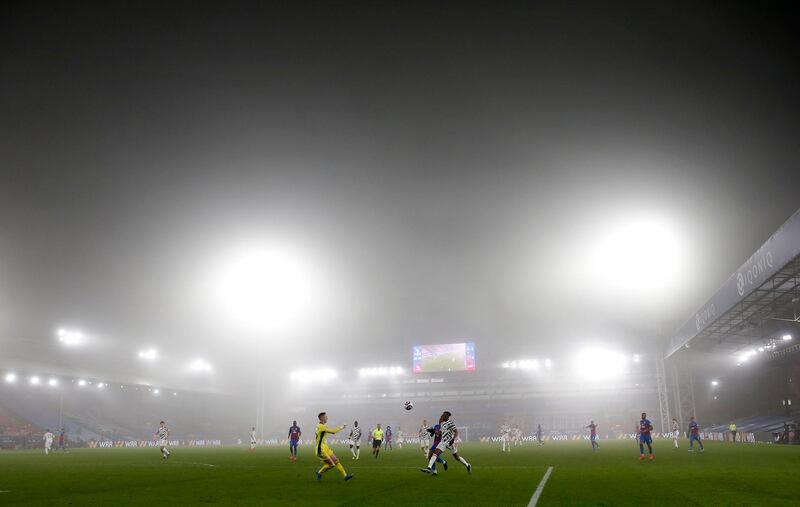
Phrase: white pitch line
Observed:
(540, 488)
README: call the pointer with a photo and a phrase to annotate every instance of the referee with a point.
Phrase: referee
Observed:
(377, 438)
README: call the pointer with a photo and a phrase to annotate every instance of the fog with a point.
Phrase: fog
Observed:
(445, 174)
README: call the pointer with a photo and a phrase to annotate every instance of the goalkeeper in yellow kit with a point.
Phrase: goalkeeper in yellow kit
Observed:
(325, 453)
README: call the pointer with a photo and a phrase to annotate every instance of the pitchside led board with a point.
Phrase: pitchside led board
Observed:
(444, 357)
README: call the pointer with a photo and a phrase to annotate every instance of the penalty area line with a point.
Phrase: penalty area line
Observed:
(540, 488)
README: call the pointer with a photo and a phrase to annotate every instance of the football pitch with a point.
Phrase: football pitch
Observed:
(726, 474)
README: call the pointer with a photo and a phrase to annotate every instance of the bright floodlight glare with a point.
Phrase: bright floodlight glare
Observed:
(599, 364)
(714, 383)
(52, 382)
(381, 371)
(548, 363)
(35, 380)
(149, 354)
(524, 364)
(100, 385)
(640, 255)
(318, 375)
(11, 378)
(787, 337)
(70, 337)
(267, 287)
(200, 365)
(636, 358)
(156, 391)
(81, 383)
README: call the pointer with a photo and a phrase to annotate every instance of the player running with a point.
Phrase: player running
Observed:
(539, 434)
(294, 438)
(377, 438)
(325, 453)
(505, 436)
(355, 440)
(389, 437)
(162, 435)
(645, 427)
(593, 435)
(676, 432)
(449, 440)
(424, 437)
(694, 435)
(253, 438)
(62, 440)
(48, 438)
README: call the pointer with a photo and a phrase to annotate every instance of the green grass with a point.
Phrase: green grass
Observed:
(756, 475)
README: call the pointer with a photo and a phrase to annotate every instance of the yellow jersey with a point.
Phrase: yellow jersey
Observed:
(321, 443)
(377, 435)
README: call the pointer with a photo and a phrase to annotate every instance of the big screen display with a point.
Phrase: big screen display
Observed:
(444, 357)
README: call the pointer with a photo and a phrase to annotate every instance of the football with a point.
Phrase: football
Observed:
(408, 405)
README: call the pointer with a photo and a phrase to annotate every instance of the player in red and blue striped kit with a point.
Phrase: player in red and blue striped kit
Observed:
(694, 435)
(645, 427)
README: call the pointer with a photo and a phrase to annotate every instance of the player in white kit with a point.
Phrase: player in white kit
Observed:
(505, 436)
(253, 440)
(448, 441)
(676, 432)
(424, 438)
(162, 435)
(48, 441)
(355, 440)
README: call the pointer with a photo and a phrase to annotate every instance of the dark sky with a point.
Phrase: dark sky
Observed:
(443, 162)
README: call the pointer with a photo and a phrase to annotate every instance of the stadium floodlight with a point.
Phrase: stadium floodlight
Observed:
(35, 381)
(548, 363)
(100, 385)
(640, 255)
(156, 391)
(381, 371)
(201, 366)
(317, 375)
(786, 337)
(598, 364)
(267, 286)
(70, 337)
(522, 364)
(149, 354)
(53, 382)
(11, 377)
(715, 383)
(81, 383)
(745, 355)
(636, 358)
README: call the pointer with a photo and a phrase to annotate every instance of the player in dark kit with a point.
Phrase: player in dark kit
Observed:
(593, 435)
(645, 427)
(294, 439)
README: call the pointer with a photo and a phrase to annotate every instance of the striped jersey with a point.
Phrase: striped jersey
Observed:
(163, 432)
(424, 434)
(448, 429)
(355, 434)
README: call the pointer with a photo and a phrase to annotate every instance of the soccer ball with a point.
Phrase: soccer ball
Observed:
(408, 405)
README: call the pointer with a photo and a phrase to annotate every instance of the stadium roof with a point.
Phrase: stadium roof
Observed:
(765, 289)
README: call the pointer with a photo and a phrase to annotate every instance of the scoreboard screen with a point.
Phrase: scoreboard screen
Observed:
(444, 357)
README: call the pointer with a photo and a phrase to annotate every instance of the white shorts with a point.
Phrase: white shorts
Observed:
(253, 442)
(356, 443)
(443, 446)
(425, 442)
(162, 443)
